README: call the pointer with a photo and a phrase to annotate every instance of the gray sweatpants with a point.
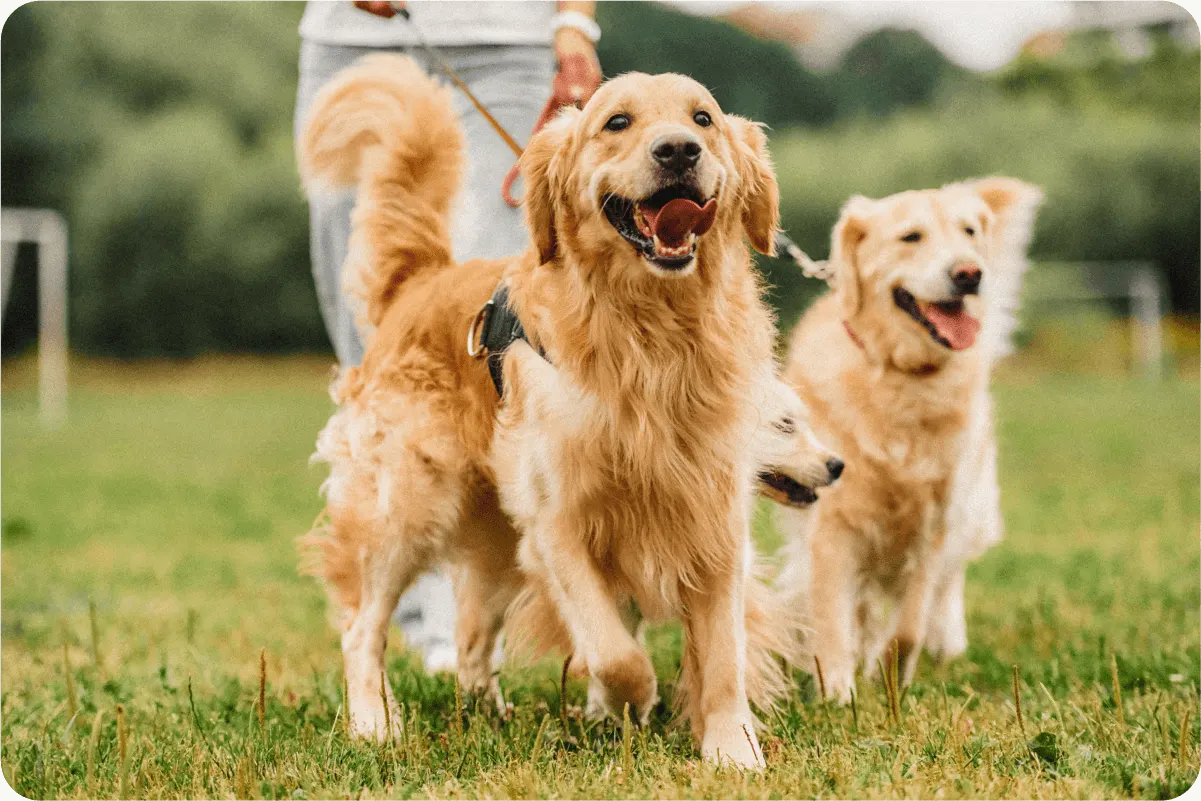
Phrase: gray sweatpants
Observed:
(514, 84)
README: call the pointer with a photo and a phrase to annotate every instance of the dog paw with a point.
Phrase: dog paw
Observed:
(732, 743)
(839, 687)
(950, 651)
(373, 724)
(947, 644)
(629, 680)
(596, 709)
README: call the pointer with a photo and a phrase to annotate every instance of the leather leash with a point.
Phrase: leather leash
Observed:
(506, 189)
(814, 269)
(436, 57)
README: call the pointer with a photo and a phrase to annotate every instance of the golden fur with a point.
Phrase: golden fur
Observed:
(911, 417)
(617, 470)
(785, 444)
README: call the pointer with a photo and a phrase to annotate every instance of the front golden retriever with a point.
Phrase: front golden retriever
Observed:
(925, 285)
(619, 468)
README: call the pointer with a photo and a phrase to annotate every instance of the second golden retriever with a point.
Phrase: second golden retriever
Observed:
(895, 365)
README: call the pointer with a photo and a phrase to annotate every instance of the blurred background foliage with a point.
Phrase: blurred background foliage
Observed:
(164, 132)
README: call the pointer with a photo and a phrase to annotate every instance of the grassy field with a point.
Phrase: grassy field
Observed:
(148, 562)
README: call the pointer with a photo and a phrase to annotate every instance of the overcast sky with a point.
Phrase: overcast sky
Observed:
(979, 35)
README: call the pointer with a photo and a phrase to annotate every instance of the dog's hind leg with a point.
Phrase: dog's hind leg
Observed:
(486, 582)
(387, 571)
(406, 507)
(481, 597)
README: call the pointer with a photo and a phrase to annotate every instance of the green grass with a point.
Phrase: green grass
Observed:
(170, 501)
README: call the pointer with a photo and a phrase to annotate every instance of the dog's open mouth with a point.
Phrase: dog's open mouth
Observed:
(664, 227)
(787, 491)
(947, 321)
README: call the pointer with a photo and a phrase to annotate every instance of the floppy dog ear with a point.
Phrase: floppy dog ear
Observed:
(761, 198)
(849, 231)
(1013, 204)
(539, 166)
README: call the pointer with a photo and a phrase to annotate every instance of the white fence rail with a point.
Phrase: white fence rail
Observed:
(1139, 285)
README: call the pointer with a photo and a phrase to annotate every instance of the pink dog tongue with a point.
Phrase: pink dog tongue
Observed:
(958, 328)
(679, 218)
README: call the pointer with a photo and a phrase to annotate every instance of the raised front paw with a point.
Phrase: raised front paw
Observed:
(627, 680)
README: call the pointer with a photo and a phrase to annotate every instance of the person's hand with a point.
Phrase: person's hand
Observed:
(380, 8)
(576, 81)
(579, 69)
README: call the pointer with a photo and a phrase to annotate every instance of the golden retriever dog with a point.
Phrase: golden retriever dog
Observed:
(620, 466)
(925, 287)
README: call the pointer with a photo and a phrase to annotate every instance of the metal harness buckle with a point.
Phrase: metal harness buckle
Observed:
(475, 334)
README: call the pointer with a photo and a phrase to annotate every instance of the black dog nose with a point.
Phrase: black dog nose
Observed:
(677, 153)
(966, 278)
(835, 467)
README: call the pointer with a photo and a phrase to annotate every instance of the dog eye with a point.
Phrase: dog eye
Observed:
(912, 236)
(702, 119)
(618, 122)
(969, 230)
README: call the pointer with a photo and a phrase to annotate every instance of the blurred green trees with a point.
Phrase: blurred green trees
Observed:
(164, 132)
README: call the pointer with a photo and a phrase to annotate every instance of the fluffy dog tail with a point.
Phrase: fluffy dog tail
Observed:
(383, 126)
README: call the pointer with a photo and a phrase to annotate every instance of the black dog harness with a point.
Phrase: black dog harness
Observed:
(496, 326)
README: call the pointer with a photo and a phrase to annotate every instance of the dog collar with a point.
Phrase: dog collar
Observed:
(495, 327)
(854, 337)
(924, 370)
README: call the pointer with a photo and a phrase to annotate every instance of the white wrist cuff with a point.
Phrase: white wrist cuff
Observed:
(578, 21)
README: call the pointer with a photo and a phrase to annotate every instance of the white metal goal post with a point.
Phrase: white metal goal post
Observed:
(48, 230)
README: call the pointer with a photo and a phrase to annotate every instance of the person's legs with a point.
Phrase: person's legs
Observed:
(513, 83)
(329, 213)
